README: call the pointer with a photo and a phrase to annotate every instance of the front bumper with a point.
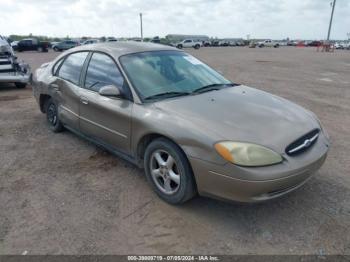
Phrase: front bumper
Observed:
(257, 184)
(13, 77)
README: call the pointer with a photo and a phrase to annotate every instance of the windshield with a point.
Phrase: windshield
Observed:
(170, 73)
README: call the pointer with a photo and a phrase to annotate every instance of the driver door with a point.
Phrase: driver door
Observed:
(107, 120)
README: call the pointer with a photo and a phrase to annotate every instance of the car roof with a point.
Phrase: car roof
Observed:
(120, 48)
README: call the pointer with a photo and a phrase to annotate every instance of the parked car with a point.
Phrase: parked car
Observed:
(240, 43)
(292, 43)
(206, 43)
(314, 43)
(342, 45)
(32, 44)
(268, 43)
(346, 45)
(188, 43)
(191, 129)
(224, 43)
(252, 44)
(65, 45)
(215, 43)
(53, 44)
(156, 40)
(11, 69)
(14, 45)
(112, 39)
(90, 41)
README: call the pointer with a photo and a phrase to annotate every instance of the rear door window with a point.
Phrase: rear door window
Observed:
(72, 67)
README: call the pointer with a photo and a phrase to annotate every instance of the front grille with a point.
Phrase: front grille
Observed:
(303, 143)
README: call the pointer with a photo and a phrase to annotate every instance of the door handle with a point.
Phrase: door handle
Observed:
(55, 86)
(84, 100)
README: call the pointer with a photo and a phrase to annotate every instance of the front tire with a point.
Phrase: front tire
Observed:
(169, 172)
(52, 116)
(197, 46)
(179, 46)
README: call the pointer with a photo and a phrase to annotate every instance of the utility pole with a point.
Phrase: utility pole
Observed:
(330, 22)
(141, 27)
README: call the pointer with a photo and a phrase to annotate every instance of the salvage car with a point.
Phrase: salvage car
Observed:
(11, 69)
(191, 129)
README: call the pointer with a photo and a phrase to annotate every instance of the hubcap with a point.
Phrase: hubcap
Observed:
(164, 172)
(52, 114)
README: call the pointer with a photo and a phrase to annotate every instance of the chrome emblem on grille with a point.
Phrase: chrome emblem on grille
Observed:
(306, 144)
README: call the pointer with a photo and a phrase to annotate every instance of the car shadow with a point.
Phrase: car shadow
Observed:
(7, 87)
(11, 87)
(318, 200)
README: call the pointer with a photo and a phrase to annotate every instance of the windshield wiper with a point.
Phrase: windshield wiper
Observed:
(167, 95)
(211, 87)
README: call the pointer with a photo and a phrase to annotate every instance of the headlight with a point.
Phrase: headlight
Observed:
(246, 154)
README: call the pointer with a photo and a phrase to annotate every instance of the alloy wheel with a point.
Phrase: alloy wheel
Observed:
(52, 114)
(164, 172)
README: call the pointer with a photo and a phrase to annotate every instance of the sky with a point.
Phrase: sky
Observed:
(276, 19)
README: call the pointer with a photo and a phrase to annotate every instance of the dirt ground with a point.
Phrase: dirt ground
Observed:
(62, 195)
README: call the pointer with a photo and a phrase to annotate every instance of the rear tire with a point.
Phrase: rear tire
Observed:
(168, 172)
(20, 85)
(52, 116)
(56, 49)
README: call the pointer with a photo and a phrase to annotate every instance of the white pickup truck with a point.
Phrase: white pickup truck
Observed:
(268, 43)
(188, 43)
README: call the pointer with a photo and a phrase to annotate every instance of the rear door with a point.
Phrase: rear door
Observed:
(64, 87)
(105, 119)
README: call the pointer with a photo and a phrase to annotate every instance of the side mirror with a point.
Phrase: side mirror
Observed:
(110, 90)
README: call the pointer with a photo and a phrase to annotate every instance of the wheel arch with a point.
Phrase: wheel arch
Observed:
(43, 98)
(146, 139)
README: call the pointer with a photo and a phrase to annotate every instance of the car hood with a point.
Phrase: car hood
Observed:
(243, 114)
